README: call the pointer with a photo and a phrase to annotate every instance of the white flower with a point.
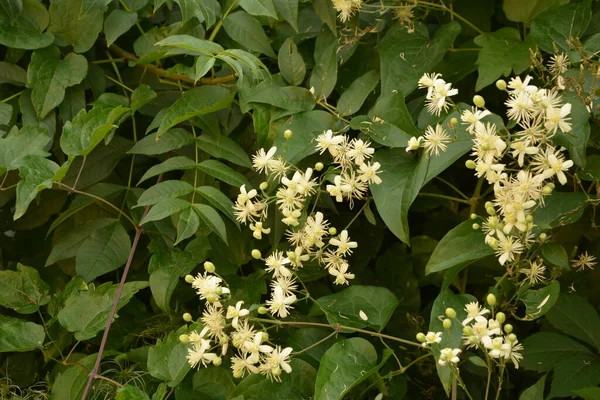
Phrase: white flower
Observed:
(343, 243)
(557, 165)
(559, 64)
(414, 143)
(521, 148)
(557, 119)
(494, 346)
(430, 80)
(240, 365)
(275, 362)
(435, 140)
(276, 264)
(341, 274)
(473, 118)
(255, 347)
(432, 338)
(236, 312)
(329, 141)
(209, 287)
(512, 350)
(360, 151)
(280, 302)
(369, 173)
(475, 313)
(519, 85)
(197, 353)
(338, 189)
(508, 246)
(258, 229)
(262, 160)
(346, 8)
(291, 217)
(436, 98)
(244, 196)
(449, 356)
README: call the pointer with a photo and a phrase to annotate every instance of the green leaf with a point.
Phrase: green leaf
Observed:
(502, 53)
(559, 24)
(70, 28)
(573, 374)
(290, 62)
(224, 173)
(117, 23)
(353, 98)
(86, 312)
(11, 9)
(68, 245)
(195, 102)
(188, 224)
(70, 383)
(104, 251)
(324, 74)
(23, 290)
(324, 9)
(178, 163)
(555, 255)
(451, 337)
(202, 66)
(247, 31)
(539, 302)
(212, 219)
(288, 9)
(13, 74)
(48, 77)
(163, 191)
(291, 98)
(30, 141)
(460, 246)
(167, 359)
(576, 317)
(407, 55)
(153, 144)
(164, 209)
(560, 208)
(218, 200)
(37, 174)
(575, 141)
(141, 96)
(591, 172)
(534, 392)
(18, 335)
(129, 392)
(525, 11)
(344, 308)
(389, 123)
(346, 364)
(18, 38)
(259, 7)
(166, 269)
(591, 393)
(25, 30)
(546, 350)
(210, 383)
(187, 44)
(225, 148)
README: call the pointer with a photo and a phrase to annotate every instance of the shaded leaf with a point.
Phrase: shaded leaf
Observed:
(225, 148)
(163, 191)
(353, 98)
(212, 219)
(117, 23)
(559, 24)
(170, 140)
(324, 74)
(224, 173)
(574, 316)
(23, 290)
(18, 335)
(247, 31)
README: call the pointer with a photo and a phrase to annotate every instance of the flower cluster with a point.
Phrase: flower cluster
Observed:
(346, 8)
(224, 325)
(438, 93)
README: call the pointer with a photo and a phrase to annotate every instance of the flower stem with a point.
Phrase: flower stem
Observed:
(443, 196)
(219, 24)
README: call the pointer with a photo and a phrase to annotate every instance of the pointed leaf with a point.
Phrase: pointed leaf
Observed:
(290, 62)
(68, 245)
(225, 148)
(247, 31)
(117, 23)
(72, 29)
(179, 163)
(23, 290)
(188, 224)
(353, 98)
(210, 217)
(37, 174)
(259, 7)
(163, 191)
(152, 144)
(218, 200)
(223, 172)
(324, 74)
(164, 209)
(574, 316)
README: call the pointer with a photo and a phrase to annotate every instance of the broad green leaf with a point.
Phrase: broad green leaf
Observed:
(23, 290)
(166, 270)
(164, 209)
(290, 62)
(25, 30)
(591, 172)
(163, 191)
(391, 110)
(30, 141)
(297, 385)
(353, 98)
(560, 208)
(210, 383)
(72, 29)
(590, 393)
(535, 391)
(572, 374)
(224, 148)
(70, 383)
(188, 224)
(555, 255)
(117, 23)
(344, 308)
(89, 6)
(18, 335)
(224, 173)
(576, 141)
(324, 74)
(195, 102)
(37, 174)
(68, 245)
(153, 144)
(187, 44)
(30, 116)
(291, 98)
(73, 102)
(129, 392)
(218, 200)
(546, 350)
(539, 302)
(104, 251)
(502, 53)
(288, 9)
(212, 219)
(407, 55)
(86, 312)
(13, 74)
(247, 31)
(179, 163)
(11, 9)
(141, 96)
(525, 11)
(574, 316)
(259, 7)
(202, 66)
(346, 364)
(6, 112)
(167, 359)
(460, 246)
(48, 76)
(559, 24)
(18, 38)
(305, 337)
(451, 337)
(324, 9)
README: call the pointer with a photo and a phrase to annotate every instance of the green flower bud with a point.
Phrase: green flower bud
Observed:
(447, 323)
(276, 371)
(238, 374)
(468, 331)
(262, 310)
(287, 134)
(529, 218)
(185, 339)
(291, 255)
(189, 278)
(256, 254)
(187, 317)
(512, 338)
(547, 189)
(264, 337)
(488, 204)
(508, 328)
(319, 166)
(501, 84)
(473, 340)
(543, 236)
(479, 101)
(490, 211)
(450, 313)
(211, 298)
(332, 231)
(476, 227)
(217, 361)
(421, 337)
(453, 122)
(470, 164)
(500, 317)
(209, 267)
(491, 299)
(263, 186)
(219, 291)
(473, 216)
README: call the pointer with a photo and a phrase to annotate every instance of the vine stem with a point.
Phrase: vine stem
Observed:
(337, 328)
(452, 12)
(443, 196)
(219, 24)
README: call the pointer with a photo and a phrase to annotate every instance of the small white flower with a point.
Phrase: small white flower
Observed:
(449, 356)
(343, 243)
(432, 338)
(280, 302)
(557, 119)
(262, 160)
(475, 313)
(435, 140)
(359, 151)
(369, 173)
(414, 143)
(236, 312)
(328, 141)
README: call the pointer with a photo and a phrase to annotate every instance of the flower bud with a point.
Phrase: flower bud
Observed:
(421, 337)
(453, 122)
(319, 166)
(209, 267)
(185, 339)
(543, 237)
(488, 204)
(500, 317)
(276, 371)
(450, 313)
(476, 227)
(211, 298)
(473, 340)
(219, 291)
(189, 278)
(187, 317)
(332, 231)
(468, 331)
(262, 310)
(291, 255)
(470, 164)
(501, 84)
(287, 134)
(238, 374)
(491, 299)
(547, 189)
(529, 218)
(256, 254)
(479, 101)
(490, 211)
(492, 242)
(473, 216)
(263, 186)
(217, 361)
(264, 337)
(508, 328)
(512, 338)
(447, 323)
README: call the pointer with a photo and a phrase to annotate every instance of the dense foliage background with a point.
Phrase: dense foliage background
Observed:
(128, 128)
